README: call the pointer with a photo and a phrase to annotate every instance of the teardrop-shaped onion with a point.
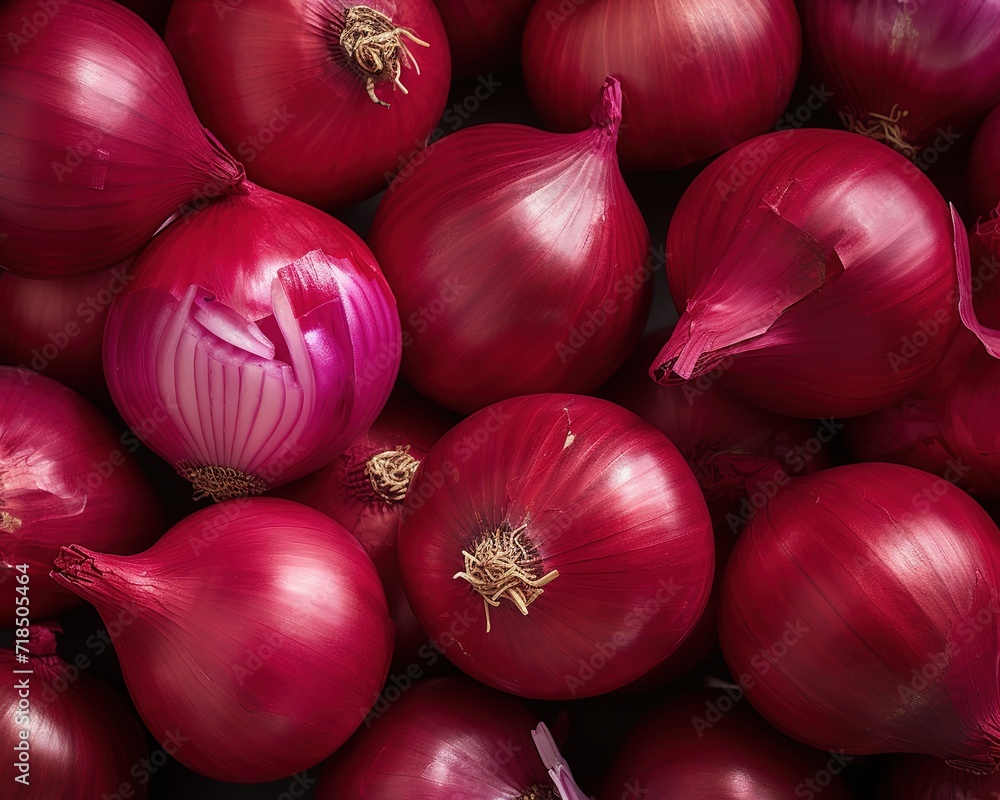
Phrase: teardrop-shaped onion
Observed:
(519, 260)
(99, 144)
(256, 341)
(82, 742)
(859, 614)
(816, 271)
(257, 634)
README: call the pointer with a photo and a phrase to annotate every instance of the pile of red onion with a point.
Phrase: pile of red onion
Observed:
(500, 400)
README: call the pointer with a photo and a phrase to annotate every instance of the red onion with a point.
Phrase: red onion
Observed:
(559, 542)
(699, 76)
(363, 489)
(984, 166)
(483, 35)
(79, 744)
(815, 271)
(56, 326)
(517, 258)
(445, 739)
(705, 745)
(258, 631)
(99, 144)
(65, 476)
(860, 611)
(911, 73)
(321, 99)
(923, 778)
(257, 340)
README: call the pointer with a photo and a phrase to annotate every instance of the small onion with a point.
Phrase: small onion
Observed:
(321, 99)
(65, 476)
(859, 615)
(698, 76)
(257, 339)
(80, 743)
(258, 633)
(557, 546)
(99, 144)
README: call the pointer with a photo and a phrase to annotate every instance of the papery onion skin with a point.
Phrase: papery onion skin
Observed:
(484, 35)
(928, 68)
(272, 81)
(258, 290)
(99, 144)
(267, 628)
(83, 740)
(698, 76)
(519, 260)
(56, 326)
(859, 613)
(677, 752)
(820, 284)
(444, 739)
(344, 491)
(984, 166)
(66, 476)
(913, 777)
(604, 499)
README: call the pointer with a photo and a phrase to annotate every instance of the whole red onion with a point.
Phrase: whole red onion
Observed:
(556, 545)
(445, 739)
(65, 476)
(704, 744)
(364, 489)
(859, 613)
(816, 271)
(79, 744)
(99, 144)
(321, 99)
(484, 35)
(913, 777)
(984, 166)
(256, 341)
(259, 634)
(56, 326)
(698, 76)
(915, 74)
(519, 260)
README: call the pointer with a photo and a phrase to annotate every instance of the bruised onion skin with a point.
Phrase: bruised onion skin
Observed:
(859, 614)
(99, 144)
(816, 271)
(914, 74)
(257, 339)
(272, 80)
(519, 260)
(698, 76)
(688, 748)
(82, 742)
(614, 532)
(260, 634)
(444, 739)
(911, 777)
(66, 475)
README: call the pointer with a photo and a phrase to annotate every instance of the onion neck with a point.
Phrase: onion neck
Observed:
(221, 483)
(375, 49)
(883, 128)
(502, 566)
